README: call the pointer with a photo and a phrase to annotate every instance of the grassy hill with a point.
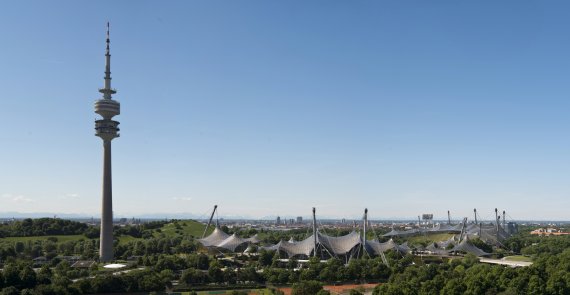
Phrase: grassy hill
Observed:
(185, 228)
(182, 227)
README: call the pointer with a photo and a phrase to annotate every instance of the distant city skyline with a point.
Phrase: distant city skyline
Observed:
(271, 108)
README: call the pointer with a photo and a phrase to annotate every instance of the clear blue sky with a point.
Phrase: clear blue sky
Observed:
(272, 107)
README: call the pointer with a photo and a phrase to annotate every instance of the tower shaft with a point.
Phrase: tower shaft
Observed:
(106, 238)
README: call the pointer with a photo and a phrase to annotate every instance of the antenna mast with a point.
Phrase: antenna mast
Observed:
(364, 231)
(210, 221)
(315, 231)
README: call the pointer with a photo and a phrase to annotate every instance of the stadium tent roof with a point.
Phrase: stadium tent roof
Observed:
(275, 247)
(397, 233)
(472, 227)
(377, 247)
(215, 238)
(254, 239)
(304, 247)
(439, 228)
(418, 247)
(339, 245)
(444, 244)
(487, 233)
(219, 239)
(404, 248)
(231, 243)
(249, 249)
(446, 228)
(468, 247)
(334, 245)
(434, 248)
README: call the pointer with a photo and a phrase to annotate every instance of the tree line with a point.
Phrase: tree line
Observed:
(42, 227)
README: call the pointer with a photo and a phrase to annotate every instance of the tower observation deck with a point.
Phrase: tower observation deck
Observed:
(107, 129)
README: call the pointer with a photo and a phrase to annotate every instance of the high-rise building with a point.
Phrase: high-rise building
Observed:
(107, 130)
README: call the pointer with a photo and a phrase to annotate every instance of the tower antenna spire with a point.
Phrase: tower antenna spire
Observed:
(108, 38)
(107, 90)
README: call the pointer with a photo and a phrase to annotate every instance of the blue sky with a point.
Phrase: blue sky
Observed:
(272, 107)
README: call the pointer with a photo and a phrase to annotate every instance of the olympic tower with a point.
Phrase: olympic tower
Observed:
(107, 129)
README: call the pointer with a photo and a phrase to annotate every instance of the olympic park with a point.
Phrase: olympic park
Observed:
(445, 239)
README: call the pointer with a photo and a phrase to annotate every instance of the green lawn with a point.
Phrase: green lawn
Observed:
(36, 238)
(518, 258)
(185, 228)
(429, 238)
(126, 239)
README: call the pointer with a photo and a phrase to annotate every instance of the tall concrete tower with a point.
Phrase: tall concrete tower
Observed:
(107, 129)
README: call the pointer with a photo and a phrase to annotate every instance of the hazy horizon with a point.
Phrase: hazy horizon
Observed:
(270, 218)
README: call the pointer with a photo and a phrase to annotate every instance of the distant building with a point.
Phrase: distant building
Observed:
(278, 221)
(548, 232)
(299, 219)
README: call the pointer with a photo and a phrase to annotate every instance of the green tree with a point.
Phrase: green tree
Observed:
(470, 260)
(192, 276)
(10, 291)
(84, 286)
(265, 257)
(151, 282)
(557, 284)
(28, 277)
(44, 275)
(215, 272)
(306, 288)
(19, 247)
(11, 275)
(536, 286)
(453, 287)
(107, 284)
(166, 277)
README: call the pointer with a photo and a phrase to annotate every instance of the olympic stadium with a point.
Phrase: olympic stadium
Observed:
(356, 243)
